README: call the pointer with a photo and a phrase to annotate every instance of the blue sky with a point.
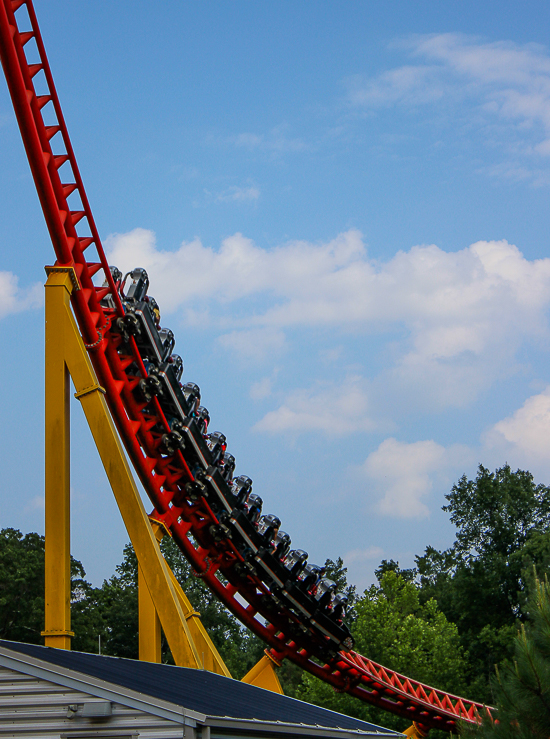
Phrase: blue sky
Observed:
(343, 209)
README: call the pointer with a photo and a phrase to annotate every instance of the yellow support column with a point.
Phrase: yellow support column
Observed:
(149, 628)
(210, 657)
(57, 631)
(149, 623)
(263, 675)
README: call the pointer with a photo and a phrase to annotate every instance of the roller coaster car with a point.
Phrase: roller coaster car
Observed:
(242, 520)
(192, 395)
(220, 496)
(191, 400)
(324, 592)
(339, 606)
(250, 541)
(310, 576)
(186, 436)
(295, 561)
(228, 467)
(224, 505)
(168, 342)
(305, 603)
(253, 509)
(268, 527)
(139, 321)
(108, 301)
(332, 635)
(241, 487)
(269, 566)
(203, 419)
(338, 634)
(300, 589)
(163, 380)
(138, 287)
(281, 545)
(217, 444)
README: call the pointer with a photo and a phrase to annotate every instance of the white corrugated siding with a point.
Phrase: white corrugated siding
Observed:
(31, 708)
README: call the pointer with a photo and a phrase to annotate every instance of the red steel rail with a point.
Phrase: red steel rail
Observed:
(76, 243)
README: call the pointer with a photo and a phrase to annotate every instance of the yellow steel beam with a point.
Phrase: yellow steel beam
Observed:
(210, 657)
(149, 630)
(65, 342)
(57, 631)
(149, 623)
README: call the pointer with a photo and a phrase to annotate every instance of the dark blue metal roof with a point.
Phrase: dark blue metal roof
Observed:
(196, 690)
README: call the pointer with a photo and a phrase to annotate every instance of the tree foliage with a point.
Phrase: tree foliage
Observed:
(22, 588)
(522, 686)
(480, 583)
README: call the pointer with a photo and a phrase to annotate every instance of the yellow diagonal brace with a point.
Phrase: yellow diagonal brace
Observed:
(149, 631)
(67, 349)
(263, 675)
(149, 624)
(210, 657)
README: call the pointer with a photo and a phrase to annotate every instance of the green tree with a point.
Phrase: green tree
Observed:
(522, 687)
(390, 565)
(480, 583)
(394, 628)
(21, 586)
(22, 590)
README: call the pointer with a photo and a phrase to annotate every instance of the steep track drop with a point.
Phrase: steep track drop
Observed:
(76, 243)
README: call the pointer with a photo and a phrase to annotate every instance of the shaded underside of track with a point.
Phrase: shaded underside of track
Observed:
(77, 244)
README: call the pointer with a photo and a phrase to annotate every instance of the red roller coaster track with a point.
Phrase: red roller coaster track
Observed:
(76, 243)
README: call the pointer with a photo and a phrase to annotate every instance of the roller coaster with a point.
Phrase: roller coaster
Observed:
(214, 517)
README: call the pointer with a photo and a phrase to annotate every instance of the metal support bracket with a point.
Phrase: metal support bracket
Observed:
(263, 674)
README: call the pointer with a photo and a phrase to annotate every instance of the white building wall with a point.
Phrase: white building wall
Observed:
(31, 708)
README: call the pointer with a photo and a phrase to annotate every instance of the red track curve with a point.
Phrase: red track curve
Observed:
(57, 179)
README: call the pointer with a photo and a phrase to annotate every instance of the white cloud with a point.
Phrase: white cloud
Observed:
(239, 195)
(356, 556)
(462, 316)
(256, 344)
(334, 409)
(413, 85)
(507, 83)
(261, 389)
(403, 474)
(13, 299)
(524, 437)
(276, 141)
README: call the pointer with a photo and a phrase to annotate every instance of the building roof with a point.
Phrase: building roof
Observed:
(196, 690)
